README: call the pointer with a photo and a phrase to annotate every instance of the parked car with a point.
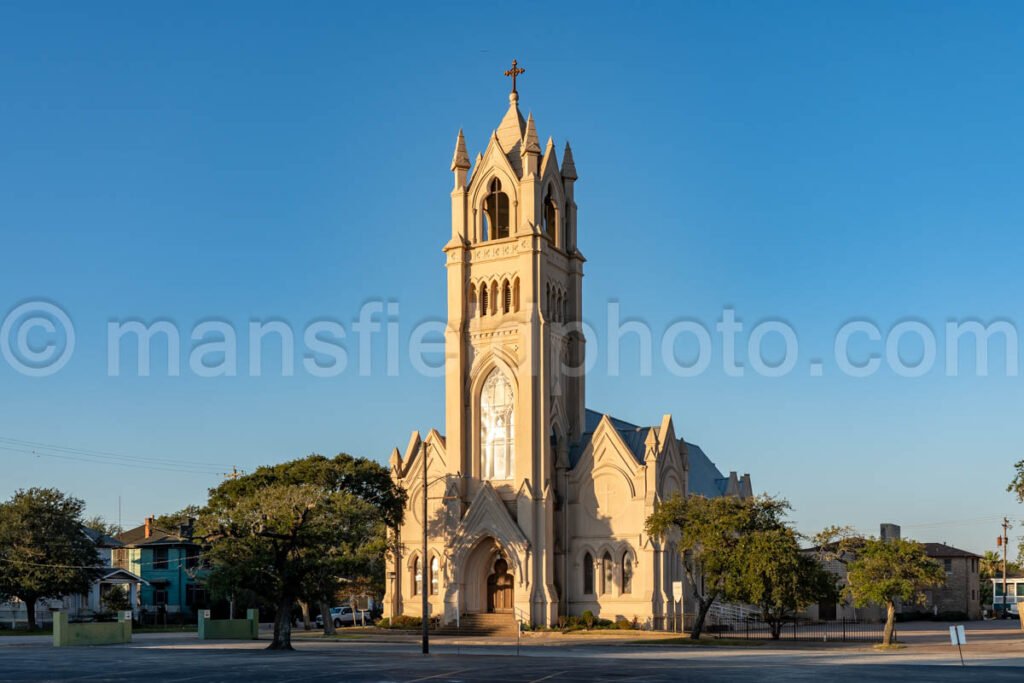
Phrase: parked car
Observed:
(345, 616)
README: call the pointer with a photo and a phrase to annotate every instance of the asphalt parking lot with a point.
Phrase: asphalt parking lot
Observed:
(163, 657)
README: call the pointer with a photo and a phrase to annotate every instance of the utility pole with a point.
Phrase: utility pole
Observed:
(1005, 541)
(423, 560)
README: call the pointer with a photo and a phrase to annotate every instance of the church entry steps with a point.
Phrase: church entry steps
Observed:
(499, 624)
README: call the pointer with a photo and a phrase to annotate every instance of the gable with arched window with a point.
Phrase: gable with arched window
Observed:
(497, 427)
(496, 213)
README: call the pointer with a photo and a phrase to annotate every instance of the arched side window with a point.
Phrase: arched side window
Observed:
(417, 576)
(588, 574)
(497, 427)
(515, 295)
(607, 574)
(496, 212)
(483, 299)
(627, 572)
(495, 298)
(551, 217)
(472, 300)
(506, 297)
(435, 575)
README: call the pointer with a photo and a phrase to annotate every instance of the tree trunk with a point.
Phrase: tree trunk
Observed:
(30, 612)
(776, 629)
(702, 613)
(890, 622)
(306, 626)
(325, 612)
(282, 626)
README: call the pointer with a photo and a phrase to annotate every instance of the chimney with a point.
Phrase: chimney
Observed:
(185, 530)
(889, 532)
(149, 527)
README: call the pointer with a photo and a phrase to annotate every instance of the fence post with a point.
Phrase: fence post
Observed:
(844, 629)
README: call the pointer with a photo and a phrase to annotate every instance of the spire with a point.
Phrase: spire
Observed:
(568, 166)
(460, 160)
(511, 129)
(531, 144)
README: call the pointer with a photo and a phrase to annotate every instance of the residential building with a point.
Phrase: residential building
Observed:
(84, 606)
(170, 562)
(960, 594)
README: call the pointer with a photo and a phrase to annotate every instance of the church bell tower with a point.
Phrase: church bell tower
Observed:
(514, 393)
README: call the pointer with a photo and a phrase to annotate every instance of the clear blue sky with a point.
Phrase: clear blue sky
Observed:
(806, 162)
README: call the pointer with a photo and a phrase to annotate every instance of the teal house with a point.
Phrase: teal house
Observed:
(171, 564)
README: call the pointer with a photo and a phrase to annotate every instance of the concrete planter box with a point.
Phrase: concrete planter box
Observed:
(65, 634)
(229, 629)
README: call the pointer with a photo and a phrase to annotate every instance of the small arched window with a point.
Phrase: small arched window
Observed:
(607, 574)
(627, 572)
(417, 576)
(588, 574)
(483, 299)
(515, 295)
(496, 212)
(551, 217)
(506, 299)
(495, 298)
(472, 300)
(435, 571)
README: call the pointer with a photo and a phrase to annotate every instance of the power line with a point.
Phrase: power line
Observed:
(86, 457)
(109, 454)
(93, 461)
(179, 563)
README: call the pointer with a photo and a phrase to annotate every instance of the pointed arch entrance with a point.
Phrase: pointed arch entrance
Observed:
(500, 588)
(490, 577)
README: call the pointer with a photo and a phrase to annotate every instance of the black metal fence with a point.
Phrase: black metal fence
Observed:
(838, 631)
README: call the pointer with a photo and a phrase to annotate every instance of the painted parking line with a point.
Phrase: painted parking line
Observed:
(538, 680)
(440, 675)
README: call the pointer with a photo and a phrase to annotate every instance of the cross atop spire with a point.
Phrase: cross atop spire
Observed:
(513, 72)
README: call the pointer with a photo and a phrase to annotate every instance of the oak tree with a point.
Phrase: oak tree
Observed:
(44, 550)
(273, 532)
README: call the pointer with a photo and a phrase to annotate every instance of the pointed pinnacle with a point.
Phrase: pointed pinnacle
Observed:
(460, 160)
(568, 165)
(531, 144)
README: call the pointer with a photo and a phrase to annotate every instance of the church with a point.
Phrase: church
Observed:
(535, 505)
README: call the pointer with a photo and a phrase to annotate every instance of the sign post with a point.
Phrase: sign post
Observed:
(677, 599)
(958, 637)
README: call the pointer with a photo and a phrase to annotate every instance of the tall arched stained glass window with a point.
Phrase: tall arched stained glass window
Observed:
(497, 427)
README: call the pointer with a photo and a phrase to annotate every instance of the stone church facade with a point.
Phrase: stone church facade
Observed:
(535, 505)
